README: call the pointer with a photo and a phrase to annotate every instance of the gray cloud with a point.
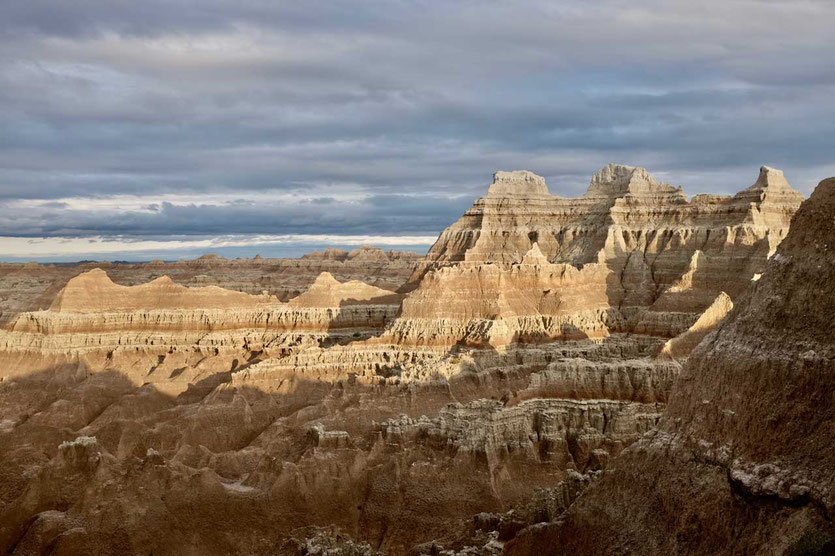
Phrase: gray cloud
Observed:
(418, 98)
(372, 215)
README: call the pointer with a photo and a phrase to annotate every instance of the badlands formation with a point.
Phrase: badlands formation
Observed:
(507, 392)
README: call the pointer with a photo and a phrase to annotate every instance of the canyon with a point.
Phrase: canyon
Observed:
(632, 370)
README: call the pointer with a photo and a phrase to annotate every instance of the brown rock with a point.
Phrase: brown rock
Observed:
(742, 459)
(169, 415)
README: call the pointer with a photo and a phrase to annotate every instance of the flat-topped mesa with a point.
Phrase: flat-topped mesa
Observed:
(519, 183)
(771, 186)
(771, 179)
(618, 180)
(95, 292)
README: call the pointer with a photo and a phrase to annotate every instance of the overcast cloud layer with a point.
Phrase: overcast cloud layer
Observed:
(183, 122)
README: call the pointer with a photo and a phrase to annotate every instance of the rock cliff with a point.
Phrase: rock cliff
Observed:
(284, 406)
(631, 255)
(742, 458)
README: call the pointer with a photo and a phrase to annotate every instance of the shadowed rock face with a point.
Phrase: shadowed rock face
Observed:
(540, 340)
(744, 454)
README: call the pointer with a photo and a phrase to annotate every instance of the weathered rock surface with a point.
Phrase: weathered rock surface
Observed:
(32, 286)
(540, 339)
(631, 255)
(171, 335)
(95, 292)
(624, 210)
(327, 291)
(742, 459)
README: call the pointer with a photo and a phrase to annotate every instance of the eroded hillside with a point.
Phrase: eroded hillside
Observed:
(390, 404)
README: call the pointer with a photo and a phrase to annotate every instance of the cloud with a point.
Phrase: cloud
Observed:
(138, 218)
(57, 249)
(362, 103)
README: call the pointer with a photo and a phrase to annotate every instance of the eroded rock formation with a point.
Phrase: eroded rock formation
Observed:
(32, 286)
(538, 340)
(631, 255)
(327, 291)
(166, 332)
(95, 292)
(743, 457)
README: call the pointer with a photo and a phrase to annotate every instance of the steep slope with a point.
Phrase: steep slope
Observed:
(517, 368)
(743, 458)
(631, 255)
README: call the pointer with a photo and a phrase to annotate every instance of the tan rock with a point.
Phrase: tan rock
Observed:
(744, 451)
(95, 292)
(327, 291)
(516, 374)
(684, 343)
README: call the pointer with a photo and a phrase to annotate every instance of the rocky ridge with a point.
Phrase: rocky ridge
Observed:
(540, 338)
(631, 255)
(743, 454)
(33, 286)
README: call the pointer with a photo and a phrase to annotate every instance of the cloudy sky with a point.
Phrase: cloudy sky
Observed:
(170, 128)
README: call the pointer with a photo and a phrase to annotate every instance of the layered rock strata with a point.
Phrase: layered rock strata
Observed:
(742, 458)
(393, 456)
(631, 255)
(33, 287)
(101, 324)
(539, 340)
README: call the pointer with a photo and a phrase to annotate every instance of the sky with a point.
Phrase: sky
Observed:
(172, 128)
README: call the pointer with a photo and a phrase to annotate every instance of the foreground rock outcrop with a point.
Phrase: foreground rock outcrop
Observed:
(743, 457)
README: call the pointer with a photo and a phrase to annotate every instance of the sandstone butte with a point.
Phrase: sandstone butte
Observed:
(630, 371)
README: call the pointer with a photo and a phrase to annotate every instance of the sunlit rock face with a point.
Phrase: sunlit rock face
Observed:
(631, 255)
(367, 400)
(624, 210)
(32, 286)
(745, 449)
